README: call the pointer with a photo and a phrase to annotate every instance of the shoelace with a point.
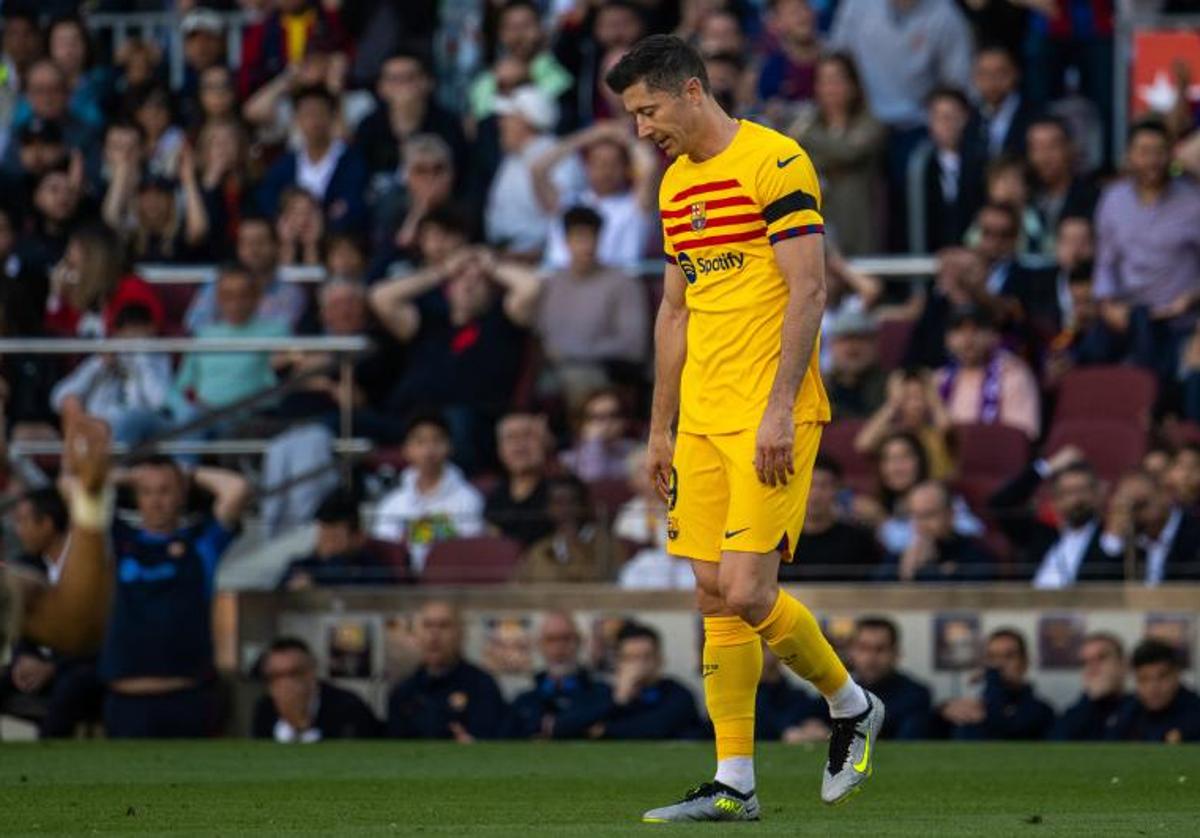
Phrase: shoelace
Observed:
(840, 738)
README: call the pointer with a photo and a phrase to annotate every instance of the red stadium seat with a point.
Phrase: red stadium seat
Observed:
(994, 452)
(837, 442)
(608, 495)
(486, 560)
(1112, 447)
(391, 555)
(1111, 392)
(893, 342)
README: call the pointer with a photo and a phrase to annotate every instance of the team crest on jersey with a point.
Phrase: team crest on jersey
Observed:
(699, 216)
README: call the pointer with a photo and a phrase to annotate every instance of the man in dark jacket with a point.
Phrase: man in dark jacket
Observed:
(339, 555)
(1162, 710)
(447, 697)
(566, 698)
(1008, 708)
(874, 653)
(783, 711)
(1165, 537)
(645, 704)
(298, 707)
(1098, 710)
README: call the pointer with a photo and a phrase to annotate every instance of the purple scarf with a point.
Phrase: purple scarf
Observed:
(989, 394)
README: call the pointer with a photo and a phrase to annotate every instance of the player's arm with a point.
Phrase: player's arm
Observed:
(801, 261)
(670, 351)
(70, 615)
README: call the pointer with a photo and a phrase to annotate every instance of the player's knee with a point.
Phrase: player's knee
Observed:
(748, 598)
(709, 602)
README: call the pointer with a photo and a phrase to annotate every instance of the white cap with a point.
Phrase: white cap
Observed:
(531, 104)
(202, 20)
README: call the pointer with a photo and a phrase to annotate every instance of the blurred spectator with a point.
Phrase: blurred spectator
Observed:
(299, 707)
(1057, 191)
(204, 43)
(783, 711)
(830, 549)
(60, 691)
(944, 175)
(789, 70)
(578, 548)
(936, 553)
(1045, 295)
(148, 214)
(1085, 338)
(216, 98)
(300, 228)
(284, 37)
(1057, 556)
(447, 697)
(405, 109)
(566, 698)
(157, 657)
(1162, 709)
(465, 341)
(162, 140)
(57, 208)
(1145, 530)
(874, 655)
(518, 507)
(422, 186)
(855, 380)
(1103, 675)
(984, 383)
(22, 40)
(129, 391)
(902, 465)
(515, 218)
(641, 527)
(217, 379)
(1182, 478)
(39, 148)
(258, 255)
(222, 157)
(1007, 186)
(434, 502)
(88, 287)
(646, 705)
(339, 555)
(593, 322)
(47, 99)
(602, 447)
(846, 145)
(620, 184)
(323, 165)
(519, 36)
(912, 406)
(727, 80)
(1148, 251)
(1004, 115)
(1008, 709)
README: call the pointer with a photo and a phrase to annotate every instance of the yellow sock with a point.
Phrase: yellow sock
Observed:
(794, 636)
(732, 667)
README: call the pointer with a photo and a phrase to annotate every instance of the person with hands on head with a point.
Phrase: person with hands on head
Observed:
(1154, 539)
(912, 405)
(645, 705)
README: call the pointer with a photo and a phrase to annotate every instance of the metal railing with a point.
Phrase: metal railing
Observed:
(163, 28)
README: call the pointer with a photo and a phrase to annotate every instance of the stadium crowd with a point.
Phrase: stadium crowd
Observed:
(480, 208)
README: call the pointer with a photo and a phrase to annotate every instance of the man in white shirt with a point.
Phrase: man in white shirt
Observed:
(434, 502)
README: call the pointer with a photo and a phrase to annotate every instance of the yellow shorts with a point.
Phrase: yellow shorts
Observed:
(717, 502)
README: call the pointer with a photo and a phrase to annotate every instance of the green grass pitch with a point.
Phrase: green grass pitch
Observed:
(396, 788)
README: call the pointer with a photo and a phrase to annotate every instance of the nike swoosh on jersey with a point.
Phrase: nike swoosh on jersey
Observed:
(861, 765)
(732, 533)
(785, 161)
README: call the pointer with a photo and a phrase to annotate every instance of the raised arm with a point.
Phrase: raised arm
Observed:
(392, 299)
(231, 493)
(195, 213)
(521, 288)
(670, 351)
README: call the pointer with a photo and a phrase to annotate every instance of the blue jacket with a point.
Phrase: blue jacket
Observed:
(1179, 722)
(575, 703)
(1011, 714)
(665, 710)
(1089, 720)
(908, 704)
(779, 706)
(345, 202)
(423, 705)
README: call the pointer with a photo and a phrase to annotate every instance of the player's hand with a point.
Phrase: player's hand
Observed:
(87, 452)
(660, 454)
(773, 447)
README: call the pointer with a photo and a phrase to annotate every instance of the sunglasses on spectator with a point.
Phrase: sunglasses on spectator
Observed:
(280, 674)
(429, 168)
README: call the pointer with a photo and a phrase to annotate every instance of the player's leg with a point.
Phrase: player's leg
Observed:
(762, 525)
(732, 657)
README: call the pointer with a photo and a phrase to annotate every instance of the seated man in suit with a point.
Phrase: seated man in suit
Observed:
(339, 555)
(298, 707)
(874, 653)
(1057, 557)
(447, 697)
(1003, 114)
(1098, 710)
(1162, 709)
(646, 705)
(1008, 708)
(1164, 538)
(566, 698)
(936, 552)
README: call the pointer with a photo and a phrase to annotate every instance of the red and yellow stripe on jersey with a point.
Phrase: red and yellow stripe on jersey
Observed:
(720, 220)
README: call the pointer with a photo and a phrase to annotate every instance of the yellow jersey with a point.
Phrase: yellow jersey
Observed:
(720, 219)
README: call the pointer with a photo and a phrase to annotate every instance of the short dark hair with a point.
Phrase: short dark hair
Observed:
(828, 464)
(227, 269)
(512, 5)
(1104, 637)
(48, 503)
(663, 62)
(1085, 271)
(133, 314)
(582, 217)
(259, 218)
(1049, 120)
(954, 94)
(1081, 467)
(1149, 125)
(727, 57)
(339, 507)
(423, 417)
(878, 623)
(1013, 635)
(999, 49)
(447, 218)
(633, 631)
(1075, 216)
(289, 644)
(314, 91)
(1007, 210)
(1152, 650)
(411, 53)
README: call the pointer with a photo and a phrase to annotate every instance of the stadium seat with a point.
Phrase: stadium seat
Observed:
(837, 442)
(892, 342)
(1112, 447)
(392, 555)
(608, 495)
(1109, 392)
(486, 560)
(992, 452)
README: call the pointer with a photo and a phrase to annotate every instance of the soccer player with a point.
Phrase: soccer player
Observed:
(735, 357)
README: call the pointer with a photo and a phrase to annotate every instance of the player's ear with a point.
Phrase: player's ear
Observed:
(693, 90)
